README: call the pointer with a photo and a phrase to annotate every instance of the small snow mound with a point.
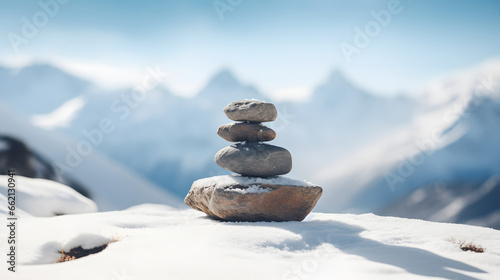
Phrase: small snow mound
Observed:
(86, 241)
(44, 198)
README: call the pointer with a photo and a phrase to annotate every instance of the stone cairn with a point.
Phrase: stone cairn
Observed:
(258, 193)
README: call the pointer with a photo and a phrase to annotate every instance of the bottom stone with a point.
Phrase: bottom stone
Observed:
(253, 199)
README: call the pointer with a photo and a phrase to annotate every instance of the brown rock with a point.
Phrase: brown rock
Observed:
(253, 202)
(237, 132)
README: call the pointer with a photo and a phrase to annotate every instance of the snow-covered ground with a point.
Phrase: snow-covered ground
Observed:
(157, 242)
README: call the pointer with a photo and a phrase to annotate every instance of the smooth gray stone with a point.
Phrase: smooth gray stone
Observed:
(237, 132)
(255, 159)
(251, 111)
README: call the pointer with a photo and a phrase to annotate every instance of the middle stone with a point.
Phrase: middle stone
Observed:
(237, 132)
(255, 159)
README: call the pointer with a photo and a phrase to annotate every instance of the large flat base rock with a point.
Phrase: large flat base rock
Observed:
(241, 198)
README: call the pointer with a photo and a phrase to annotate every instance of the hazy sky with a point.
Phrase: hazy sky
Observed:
(286, 48)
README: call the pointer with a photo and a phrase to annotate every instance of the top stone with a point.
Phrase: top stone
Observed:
(251, 111)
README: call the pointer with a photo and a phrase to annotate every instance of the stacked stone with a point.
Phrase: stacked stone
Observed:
(258, 193)
(251, 157)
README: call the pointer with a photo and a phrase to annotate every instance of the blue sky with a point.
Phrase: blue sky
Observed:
(286, 48)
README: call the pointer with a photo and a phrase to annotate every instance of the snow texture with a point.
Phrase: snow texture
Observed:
(184, 244)
(250, 189)
(43, 198)
(236, 179)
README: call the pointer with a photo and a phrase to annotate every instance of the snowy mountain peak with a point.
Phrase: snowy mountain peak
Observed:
(337, 88)
(225, 87)
(337, 77)
(225, 77)
(460, 87)
(36, 83)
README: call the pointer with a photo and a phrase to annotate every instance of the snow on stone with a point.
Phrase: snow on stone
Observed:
(184, 244)
(250, 189)
(236, 179)
(40, 197)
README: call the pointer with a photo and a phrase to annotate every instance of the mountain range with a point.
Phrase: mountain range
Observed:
(39, 153)
(370, 153)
